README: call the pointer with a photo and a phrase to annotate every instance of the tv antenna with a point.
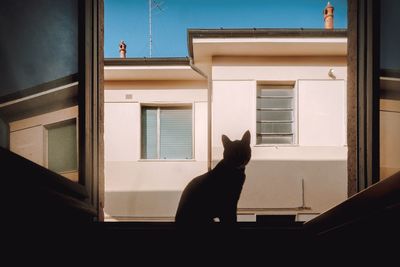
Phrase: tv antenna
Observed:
(153, 4)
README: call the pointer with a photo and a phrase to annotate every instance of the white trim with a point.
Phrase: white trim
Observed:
(389, 79)
(38, 94)
(270, 40)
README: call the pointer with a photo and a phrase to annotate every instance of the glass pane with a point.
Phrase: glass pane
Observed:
(39, 84)
(176, 133)
(274, 127)
(149, 133)
(62, 146)
(389, 112)
(276, 92)
(275, 102)
(262, 139)
(267, 115)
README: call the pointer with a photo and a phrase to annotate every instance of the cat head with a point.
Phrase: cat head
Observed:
(237, 153)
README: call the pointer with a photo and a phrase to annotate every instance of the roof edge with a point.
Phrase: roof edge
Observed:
(261, 33)
(144, 61)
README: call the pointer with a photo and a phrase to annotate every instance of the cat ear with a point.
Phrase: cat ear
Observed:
(246, 138)
(225, 140)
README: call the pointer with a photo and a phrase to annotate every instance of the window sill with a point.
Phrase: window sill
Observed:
(277, 145)
(166, 160)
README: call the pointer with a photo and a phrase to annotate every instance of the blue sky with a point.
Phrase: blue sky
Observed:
(128, 20)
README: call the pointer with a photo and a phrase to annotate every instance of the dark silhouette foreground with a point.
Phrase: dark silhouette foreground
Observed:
(216, 193)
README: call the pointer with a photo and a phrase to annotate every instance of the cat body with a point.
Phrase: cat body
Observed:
(216, 193)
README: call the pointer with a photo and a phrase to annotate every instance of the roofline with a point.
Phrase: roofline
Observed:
(40, 88)
(145, 61)
(261, 33)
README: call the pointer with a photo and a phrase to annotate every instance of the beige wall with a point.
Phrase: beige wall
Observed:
(310, 175)
(275, 173)
(148, 188)
(27, 136)
(28, 143)
(389, 137)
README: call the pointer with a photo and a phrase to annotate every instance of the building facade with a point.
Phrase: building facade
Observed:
(164, 119)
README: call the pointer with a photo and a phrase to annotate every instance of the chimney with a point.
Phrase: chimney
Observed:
(328, 16)
(122, 49)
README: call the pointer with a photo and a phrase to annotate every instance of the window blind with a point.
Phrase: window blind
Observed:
(62, 147)
(175, 133)
(167, 133)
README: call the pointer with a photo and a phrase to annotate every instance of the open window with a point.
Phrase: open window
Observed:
(49, 93)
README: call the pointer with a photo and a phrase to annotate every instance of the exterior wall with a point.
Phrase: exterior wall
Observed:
(276, 174)
(389, 134)
(27, 136)
(137, 188)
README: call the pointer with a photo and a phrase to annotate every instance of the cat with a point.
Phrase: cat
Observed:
(216, 193)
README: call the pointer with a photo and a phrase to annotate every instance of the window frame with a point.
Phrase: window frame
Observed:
(293, 86)
(159, 106)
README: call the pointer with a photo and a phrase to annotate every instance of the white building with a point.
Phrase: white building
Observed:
(164, 118)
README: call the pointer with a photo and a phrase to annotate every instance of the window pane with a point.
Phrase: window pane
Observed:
(275, 114)
(149, 133)
(274, 127)
(276, 92)
(176, 133)
(48, 92)
(62, 147)
(275, 102)
(262, 139)
(267, 115)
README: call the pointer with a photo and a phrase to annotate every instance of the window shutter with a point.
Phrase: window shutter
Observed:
(275, 115)
(176, 133)
(149, 133)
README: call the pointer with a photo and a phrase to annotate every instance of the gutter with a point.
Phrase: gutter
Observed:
(209, 109)
(159, 61)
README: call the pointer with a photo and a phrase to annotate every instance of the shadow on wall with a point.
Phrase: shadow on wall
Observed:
(142, 203)
(269, 184)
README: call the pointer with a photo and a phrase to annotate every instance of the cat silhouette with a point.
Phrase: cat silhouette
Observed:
(216, 193)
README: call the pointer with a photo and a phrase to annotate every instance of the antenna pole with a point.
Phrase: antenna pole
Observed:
(150, 37)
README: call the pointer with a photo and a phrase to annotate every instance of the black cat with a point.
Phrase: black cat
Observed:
(216, 193)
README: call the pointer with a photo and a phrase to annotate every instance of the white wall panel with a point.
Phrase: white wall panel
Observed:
(322, 113)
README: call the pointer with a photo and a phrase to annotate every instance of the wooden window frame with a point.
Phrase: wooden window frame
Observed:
(363, 94)
(90, 101)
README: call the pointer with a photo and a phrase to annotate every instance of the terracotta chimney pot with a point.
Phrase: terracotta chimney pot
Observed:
(328, 16)
(122, 49)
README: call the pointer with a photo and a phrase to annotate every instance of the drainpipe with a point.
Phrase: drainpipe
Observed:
(209, 98)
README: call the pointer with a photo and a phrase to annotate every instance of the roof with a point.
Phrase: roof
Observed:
(160, 68)
(235, 42)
